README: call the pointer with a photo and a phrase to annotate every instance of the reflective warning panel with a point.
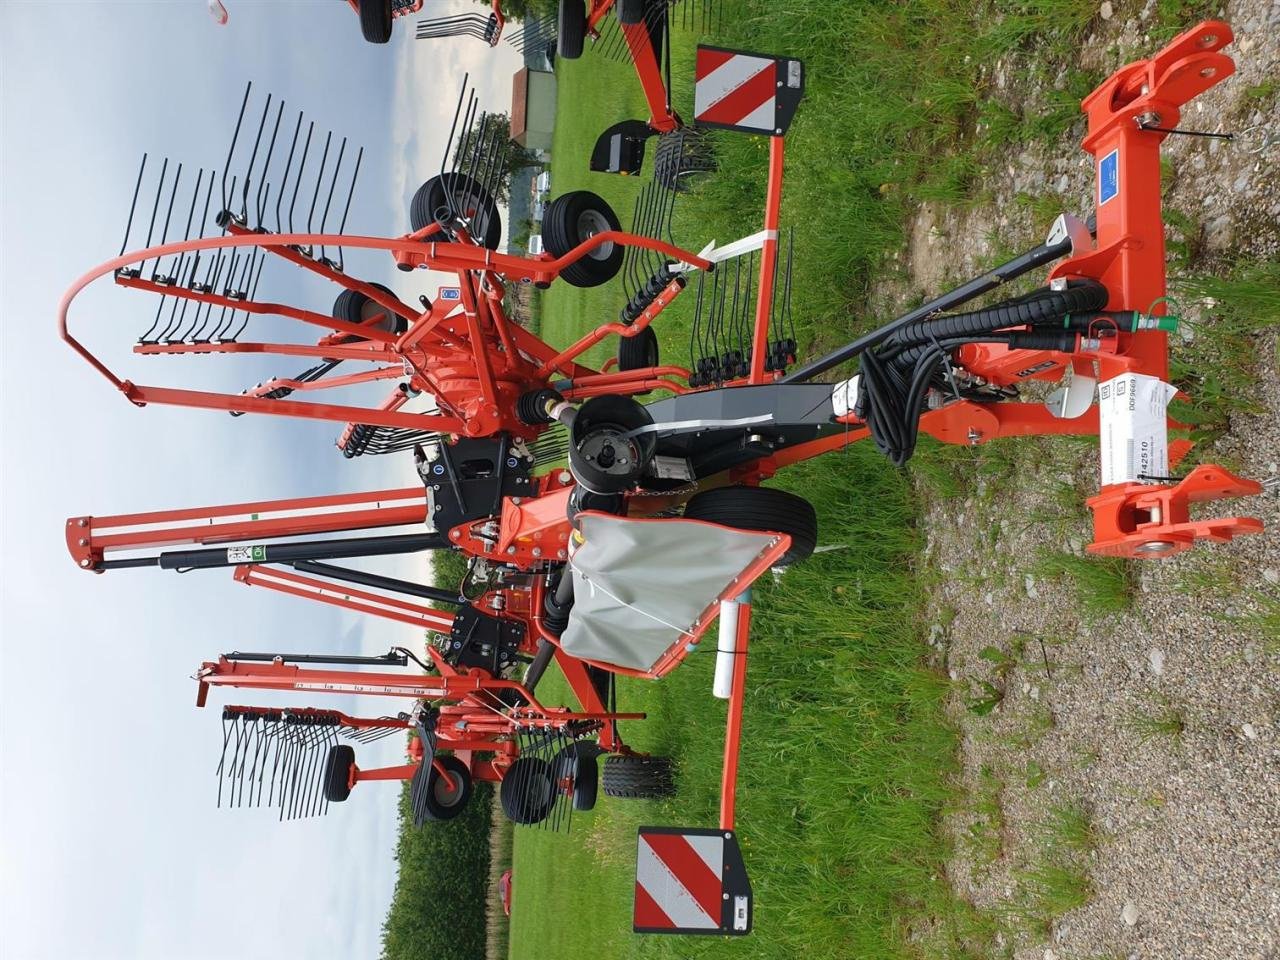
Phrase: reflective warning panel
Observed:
(748, 92)
(690, 881)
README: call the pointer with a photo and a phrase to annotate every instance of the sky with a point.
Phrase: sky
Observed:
(110, 843)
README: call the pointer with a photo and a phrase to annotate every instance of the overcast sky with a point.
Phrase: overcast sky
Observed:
(112, 846)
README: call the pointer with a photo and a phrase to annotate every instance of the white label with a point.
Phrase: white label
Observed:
(844, 396)
(1134, 427)
(254, 554)
(740, 906)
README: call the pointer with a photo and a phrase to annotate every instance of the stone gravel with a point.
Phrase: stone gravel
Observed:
(1187, 864)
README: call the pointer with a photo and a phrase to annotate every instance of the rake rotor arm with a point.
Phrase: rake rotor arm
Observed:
(91, 539)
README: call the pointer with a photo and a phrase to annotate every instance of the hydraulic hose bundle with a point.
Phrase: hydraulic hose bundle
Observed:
(897, 374)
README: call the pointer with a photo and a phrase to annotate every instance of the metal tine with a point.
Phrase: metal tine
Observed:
(322, 738)
(328, 200)
(227, 722)
(453, 129)
(253, 157)
(155, 322)
(301, 796)
(288, 166)
(315, 195)
(488, 136)
(252, 743)
(251, 294)
(302, 165)
(212, 276)
(168, 216)
(216, 335)
(179, 260)
(155, 208)
(293, 768)
(786, 296)
(128, 227)
(282, 744)
(235, 291)
(268, 737)
(342, 227)
(235, 136)
(316, 734)
(195, 263)
(260, 204)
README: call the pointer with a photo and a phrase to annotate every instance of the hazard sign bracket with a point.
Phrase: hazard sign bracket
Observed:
(691, 881)
(747, 92)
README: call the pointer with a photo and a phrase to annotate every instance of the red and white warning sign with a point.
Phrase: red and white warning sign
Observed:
(748, 92)
(690, 881)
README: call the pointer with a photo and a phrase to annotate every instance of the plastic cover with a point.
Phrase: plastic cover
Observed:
(638, 585)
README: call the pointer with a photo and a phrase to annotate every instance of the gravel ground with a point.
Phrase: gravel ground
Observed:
(1186, 862)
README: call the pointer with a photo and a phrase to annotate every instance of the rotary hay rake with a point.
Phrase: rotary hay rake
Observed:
(593, 567)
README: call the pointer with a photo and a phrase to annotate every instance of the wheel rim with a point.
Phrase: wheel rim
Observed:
(441, 792)
(591, 222)
(371, 311)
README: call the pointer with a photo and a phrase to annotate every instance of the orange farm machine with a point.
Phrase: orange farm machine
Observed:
(606, 535)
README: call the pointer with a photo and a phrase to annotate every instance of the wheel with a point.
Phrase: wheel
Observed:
(571, 30)
(574, 218)
(760, 508)
(638, 778)
(352, 306)
(630, 11)
(375, 20)
(579, 763)
(638, 352)
(442, 801)
(528, 790)
(469, 198)
(337, 772)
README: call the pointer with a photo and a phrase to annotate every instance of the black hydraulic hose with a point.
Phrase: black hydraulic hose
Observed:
(1045, 253)
(538, 666)
(1043, 307)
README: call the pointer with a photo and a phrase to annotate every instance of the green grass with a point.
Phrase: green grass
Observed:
(1104, 585)
(1164, 721)
(1056, 880)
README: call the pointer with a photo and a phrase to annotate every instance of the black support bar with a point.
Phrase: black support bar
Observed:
(377, 581)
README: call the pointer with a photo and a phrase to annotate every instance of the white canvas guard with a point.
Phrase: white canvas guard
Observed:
(638, 585)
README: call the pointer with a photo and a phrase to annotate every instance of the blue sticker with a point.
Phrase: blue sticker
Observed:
(438, 469)
(450, 293)
(1109, 177)
(512, 462)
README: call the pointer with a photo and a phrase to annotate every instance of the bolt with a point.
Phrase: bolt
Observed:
(537, 551)
(84, 543)
(84, 523)
(565, 476)
(511, 550)
(974, 436)
(84, 562)
(563, 553)
(455, 534)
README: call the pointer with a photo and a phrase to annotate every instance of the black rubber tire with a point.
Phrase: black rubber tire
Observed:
(441, 803)
(526, 806)
(630, 11)
(431, 197)
(760, 508)
(586, 782)
(375, 20)
(573, 218)
(638, 778)
(337, 772)
(638, 352)
(352, 306)
(571, 29)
